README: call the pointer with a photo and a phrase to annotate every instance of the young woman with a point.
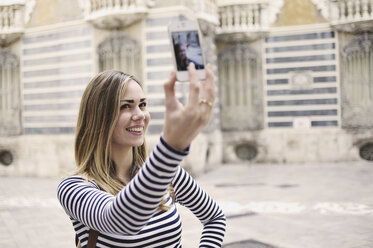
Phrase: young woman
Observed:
(182, 60)
(118, 192)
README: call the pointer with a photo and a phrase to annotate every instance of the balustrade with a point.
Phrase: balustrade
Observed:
(102, 5)
(250, 19)
(114, 13)
(11, 22)
(352, 15)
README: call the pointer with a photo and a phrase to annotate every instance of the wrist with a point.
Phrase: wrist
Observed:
(176, 147)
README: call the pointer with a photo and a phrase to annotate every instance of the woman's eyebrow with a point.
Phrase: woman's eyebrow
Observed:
(132, 101)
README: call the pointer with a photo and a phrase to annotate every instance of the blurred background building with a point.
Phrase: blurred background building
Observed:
(294, 77)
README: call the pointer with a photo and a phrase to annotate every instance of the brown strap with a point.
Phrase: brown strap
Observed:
(92, 238)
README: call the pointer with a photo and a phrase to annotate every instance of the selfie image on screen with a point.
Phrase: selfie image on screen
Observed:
(187, 49)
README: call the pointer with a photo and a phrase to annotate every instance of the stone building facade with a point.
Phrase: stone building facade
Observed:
(294, 78)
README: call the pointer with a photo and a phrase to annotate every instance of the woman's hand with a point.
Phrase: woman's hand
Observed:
(183, 123)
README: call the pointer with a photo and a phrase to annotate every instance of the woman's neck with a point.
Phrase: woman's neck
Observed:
(122, 157)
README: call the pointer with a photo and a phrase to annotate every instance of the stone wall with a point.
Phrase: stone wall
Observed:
(298, 145)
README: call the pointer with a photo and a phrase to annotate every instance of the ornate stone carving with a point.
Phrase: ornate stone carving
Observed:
(120, 52)
(10, 108)
(29, 8)
(323, 7)
(240, 89)
(274, 8)
(357, 82)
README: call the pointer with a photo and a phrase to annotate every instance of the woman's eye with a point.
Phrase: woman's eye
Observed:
(142, 105)
(125, 106)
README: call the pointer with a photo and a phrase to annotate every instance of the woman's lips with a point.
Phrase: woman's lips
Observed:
(135, 130)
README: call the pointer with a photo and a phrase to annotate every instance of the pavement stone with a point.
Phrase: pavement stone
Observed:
(267, 205)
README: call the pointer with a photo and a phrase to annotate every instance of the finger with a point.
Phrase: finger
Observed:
(193, 86)
(208, 92)
(169, 89)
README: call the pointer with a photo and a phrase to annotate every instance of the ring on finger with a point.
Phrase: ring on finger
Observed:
(206, 102)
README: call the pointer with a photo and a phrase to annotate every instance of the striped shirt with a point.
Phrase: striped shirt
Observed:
(131, 218)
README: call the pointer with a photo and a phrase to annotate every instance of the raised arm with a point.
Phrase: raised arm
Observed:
(190, 195)
(183, 123)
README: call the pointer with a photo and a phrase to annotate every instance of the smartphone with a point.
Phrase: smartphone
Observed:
(186, 47)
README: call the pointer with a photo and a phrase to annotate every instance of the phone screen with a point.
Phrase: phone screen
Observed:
(187, 49)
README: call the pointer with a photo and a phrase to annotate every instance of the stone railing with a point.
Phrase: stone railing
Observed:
(243, 21)
(352, 15)
(205, 10)
(11, 22)
(115, 13)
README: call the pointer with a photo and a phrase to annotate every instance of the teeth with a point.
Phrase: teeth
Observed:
(136, 129)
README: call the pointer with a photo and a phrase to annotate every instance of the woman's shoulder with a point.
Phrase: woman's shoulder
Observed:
(78, 180)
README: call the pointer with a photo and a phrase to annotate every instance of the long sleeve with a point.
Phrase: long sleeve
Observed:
(128, 211)
(190, 195)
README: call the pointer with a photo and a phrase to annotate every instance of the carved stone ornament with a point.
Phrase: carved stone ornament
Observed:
(357, 83)
(323, 7)
(240, 89)
(8, 59)
(10, 111)
(119, 52)
(361, 43)
(116, 43)
(29, 8)
(274, 7)
(301, 80)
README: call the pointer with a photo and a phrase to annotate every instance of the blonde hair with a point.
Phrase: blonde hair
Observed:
(98, 114)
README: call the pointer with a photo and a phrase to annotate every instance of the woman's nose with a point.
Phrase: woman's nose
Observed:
(138, 115)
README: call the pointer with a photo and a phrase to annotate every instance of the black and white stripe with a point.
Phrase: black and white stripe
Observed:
(131, 218)
(312, 53)
(56, 67)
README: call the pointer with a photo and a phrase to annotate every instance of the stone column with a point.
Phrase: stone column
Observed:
(10, 110)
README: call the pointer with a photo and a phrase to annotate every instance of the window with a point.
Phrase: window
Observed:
(120, 52)
(10, 109)
(357, 88)
(240, 91)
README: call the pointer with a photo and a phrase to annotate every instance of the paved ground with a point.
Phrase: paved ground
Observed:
(289, 206)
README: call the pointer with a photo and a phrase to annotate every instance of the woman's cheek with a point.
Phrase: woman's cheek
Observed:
(147, 118)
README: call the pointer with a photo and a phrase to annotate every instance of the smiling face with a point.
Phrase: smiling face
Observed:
(133, 118)
(182, 52)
